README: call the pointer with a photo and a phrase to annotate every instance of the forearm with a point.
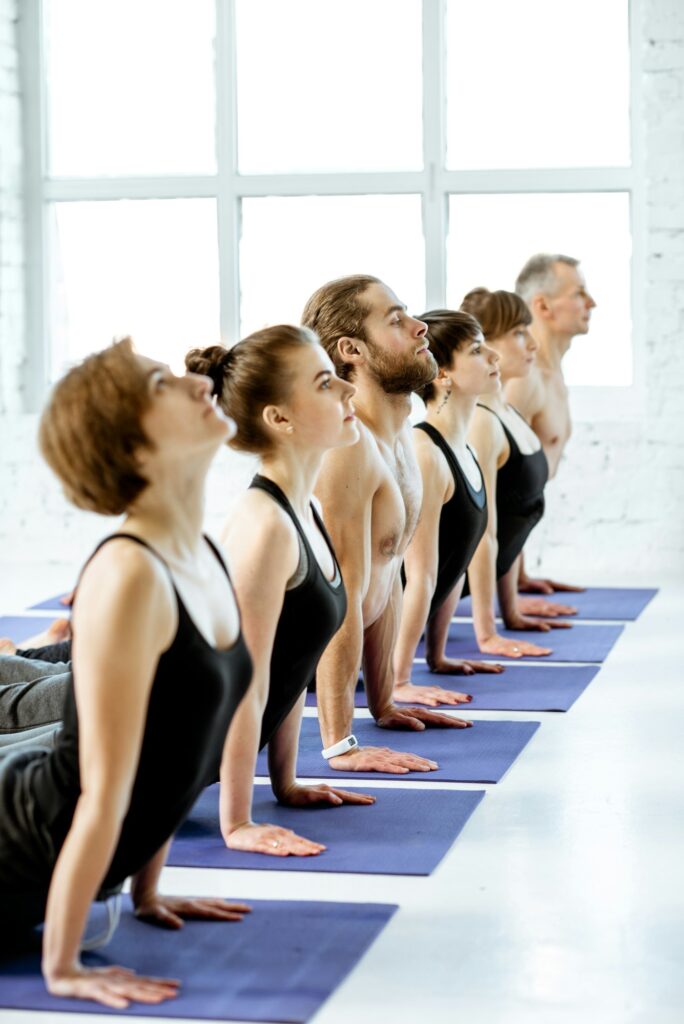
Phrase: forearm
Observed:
(482, 579)
(337, 676)
(379, 642)
(144, 883)
(437, 629)
(239, 760)
(415, 607)
(507, 588)
(78, 874)
(282, 750)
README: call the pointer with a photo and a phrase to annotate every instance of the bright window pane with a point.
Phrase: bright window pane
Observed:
(130, 86)
(291, 246)
(329, 86)
(492, 236)
(145, 268)
(536, 84)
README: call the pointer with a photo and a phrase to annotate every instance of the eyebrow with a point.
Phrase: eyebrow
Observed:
(160, 368)
(395, 309)
(322, 373)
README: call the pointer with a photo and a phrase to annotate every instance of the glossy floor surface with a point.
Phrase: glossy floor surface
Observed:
(562, 900)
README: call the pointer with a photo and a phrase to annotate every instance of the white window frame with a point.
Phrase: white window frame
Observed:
(435, 183)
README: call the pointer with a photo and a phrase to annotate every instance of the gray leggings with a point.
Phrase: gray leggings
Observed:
(31, 700)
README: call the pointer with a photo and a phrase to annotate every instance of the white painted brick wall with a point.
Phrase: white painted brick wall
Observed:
(615, 510)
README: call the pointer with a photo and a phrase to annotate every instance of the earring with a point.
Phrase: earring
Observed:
(447, 396)
(290, 429)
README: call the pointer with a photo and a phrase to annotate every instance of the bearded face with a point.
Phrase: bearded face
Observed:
(400, 373)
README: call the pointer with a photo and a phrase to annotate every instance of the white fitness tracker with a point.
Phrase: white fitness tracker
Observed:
(348, 743)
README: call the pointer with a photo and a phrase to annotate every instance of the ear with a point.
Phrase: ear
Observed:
(351, 350)
(443, 380)
(275, 419)
(539, 306)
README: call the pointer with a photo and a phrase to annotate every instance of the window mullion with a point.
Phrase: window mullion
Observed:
(228, 201)
(435, 212)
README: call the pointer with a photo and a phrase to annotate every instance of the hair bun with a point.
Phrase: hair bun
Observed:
(212, 362)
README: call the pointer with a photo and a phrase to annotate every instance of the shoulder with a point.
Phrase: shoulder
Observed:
(430, 456)
(125, 567)
(258, 519)
(527, 393)
(360, 463)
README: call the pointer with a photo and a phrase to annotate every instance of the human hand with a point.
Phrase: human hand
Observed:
(272, 840)
(528, 585)
(115, 987)
(408, 693)
(381, 759)
(311, 796)
(419, 719)
(169, 911)
(457, 667)
(531, 625)
(504, 646)
(548, 609)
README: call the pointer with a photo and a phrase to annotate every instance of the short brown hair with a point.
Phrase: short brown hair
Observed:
(448, 331)
(90, 432)
(251, 375)
(336, 311)
(539, 274)
(497, 312)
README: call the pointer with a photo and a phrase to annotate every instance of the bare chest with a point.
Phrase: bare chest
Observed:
(396, 505)
(554, 424)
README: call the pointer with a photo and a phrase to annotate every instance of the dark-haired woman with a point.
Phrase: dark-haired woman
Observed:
(290, 407)
(154, 611)
(453, 514)
(515, 472)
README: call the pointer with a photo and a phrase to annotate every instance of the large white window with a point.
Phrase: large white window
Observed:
(203, 165)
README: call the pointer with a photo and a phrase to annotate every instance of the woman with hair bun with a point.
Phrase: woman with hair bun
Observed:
(453, 513)
(515, 472)
(280, 387)
(154, 612)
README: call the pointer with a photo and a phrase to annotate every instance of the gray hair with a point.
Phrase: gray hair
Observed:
(539, 274)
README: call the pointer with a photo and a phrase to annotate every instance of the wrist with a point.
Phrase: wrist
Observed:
(343, 746)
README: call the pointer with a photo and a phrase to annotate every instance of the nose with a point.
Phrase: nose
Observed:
(591, 302)
(420, 329)
(492, 355)
(348, 390)
(532, 345)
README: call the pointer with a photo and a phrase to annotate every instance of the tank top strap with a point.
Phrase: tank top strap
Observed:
(443, 446)
(515, 448)
(127, 536)
(219, 557)
(264, 484)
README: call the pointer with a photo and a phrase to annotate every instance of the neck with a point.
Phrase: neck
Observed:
(170, 511)
(552, 344)
(383, 414)
(452, 418)
(295, 471)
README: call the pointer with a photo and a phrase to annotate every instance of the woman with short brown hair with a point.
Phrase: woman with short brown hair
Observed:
(154, 610)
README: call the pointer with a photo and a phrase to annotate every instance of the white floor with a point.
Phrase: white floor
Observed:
(562, 899)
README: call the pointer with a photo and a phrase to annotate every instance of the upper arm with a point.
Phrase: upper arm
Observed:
(263, 552)
(345, 487)
(526, 394)
(125, 616)
(489, 441)
(422, 555)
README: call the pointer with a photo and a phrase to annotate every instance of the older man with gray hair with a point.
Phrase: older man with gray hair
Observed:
(554, 289)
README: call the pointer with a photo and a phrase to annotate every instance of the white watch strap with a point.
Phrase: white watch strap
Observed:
(348, 743)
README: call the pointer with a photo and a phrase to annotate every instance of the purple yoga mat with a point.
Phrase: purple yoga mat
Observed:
(483, 753)
(621, 604)
(279, 964)
(52, 604)
(21, 627)
(520, 688)
(406, 832)
(584, 643)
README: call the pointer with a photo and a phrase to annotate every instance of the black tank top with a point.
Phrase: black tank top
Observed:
(311, 615)
(462, 522)
(519, 497)
(195, 692)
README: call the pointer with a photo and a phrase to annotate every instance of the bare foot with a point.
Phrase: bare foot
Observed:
(56, 632)
(7, 646)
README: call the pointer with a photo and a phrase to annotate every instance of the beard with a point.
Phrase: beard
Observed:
(400, 374)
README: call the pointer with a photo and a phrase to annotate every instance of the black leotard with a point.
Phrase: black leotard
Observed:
(195, 692)
(519, 497)
(312, 613)
(462, 522)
